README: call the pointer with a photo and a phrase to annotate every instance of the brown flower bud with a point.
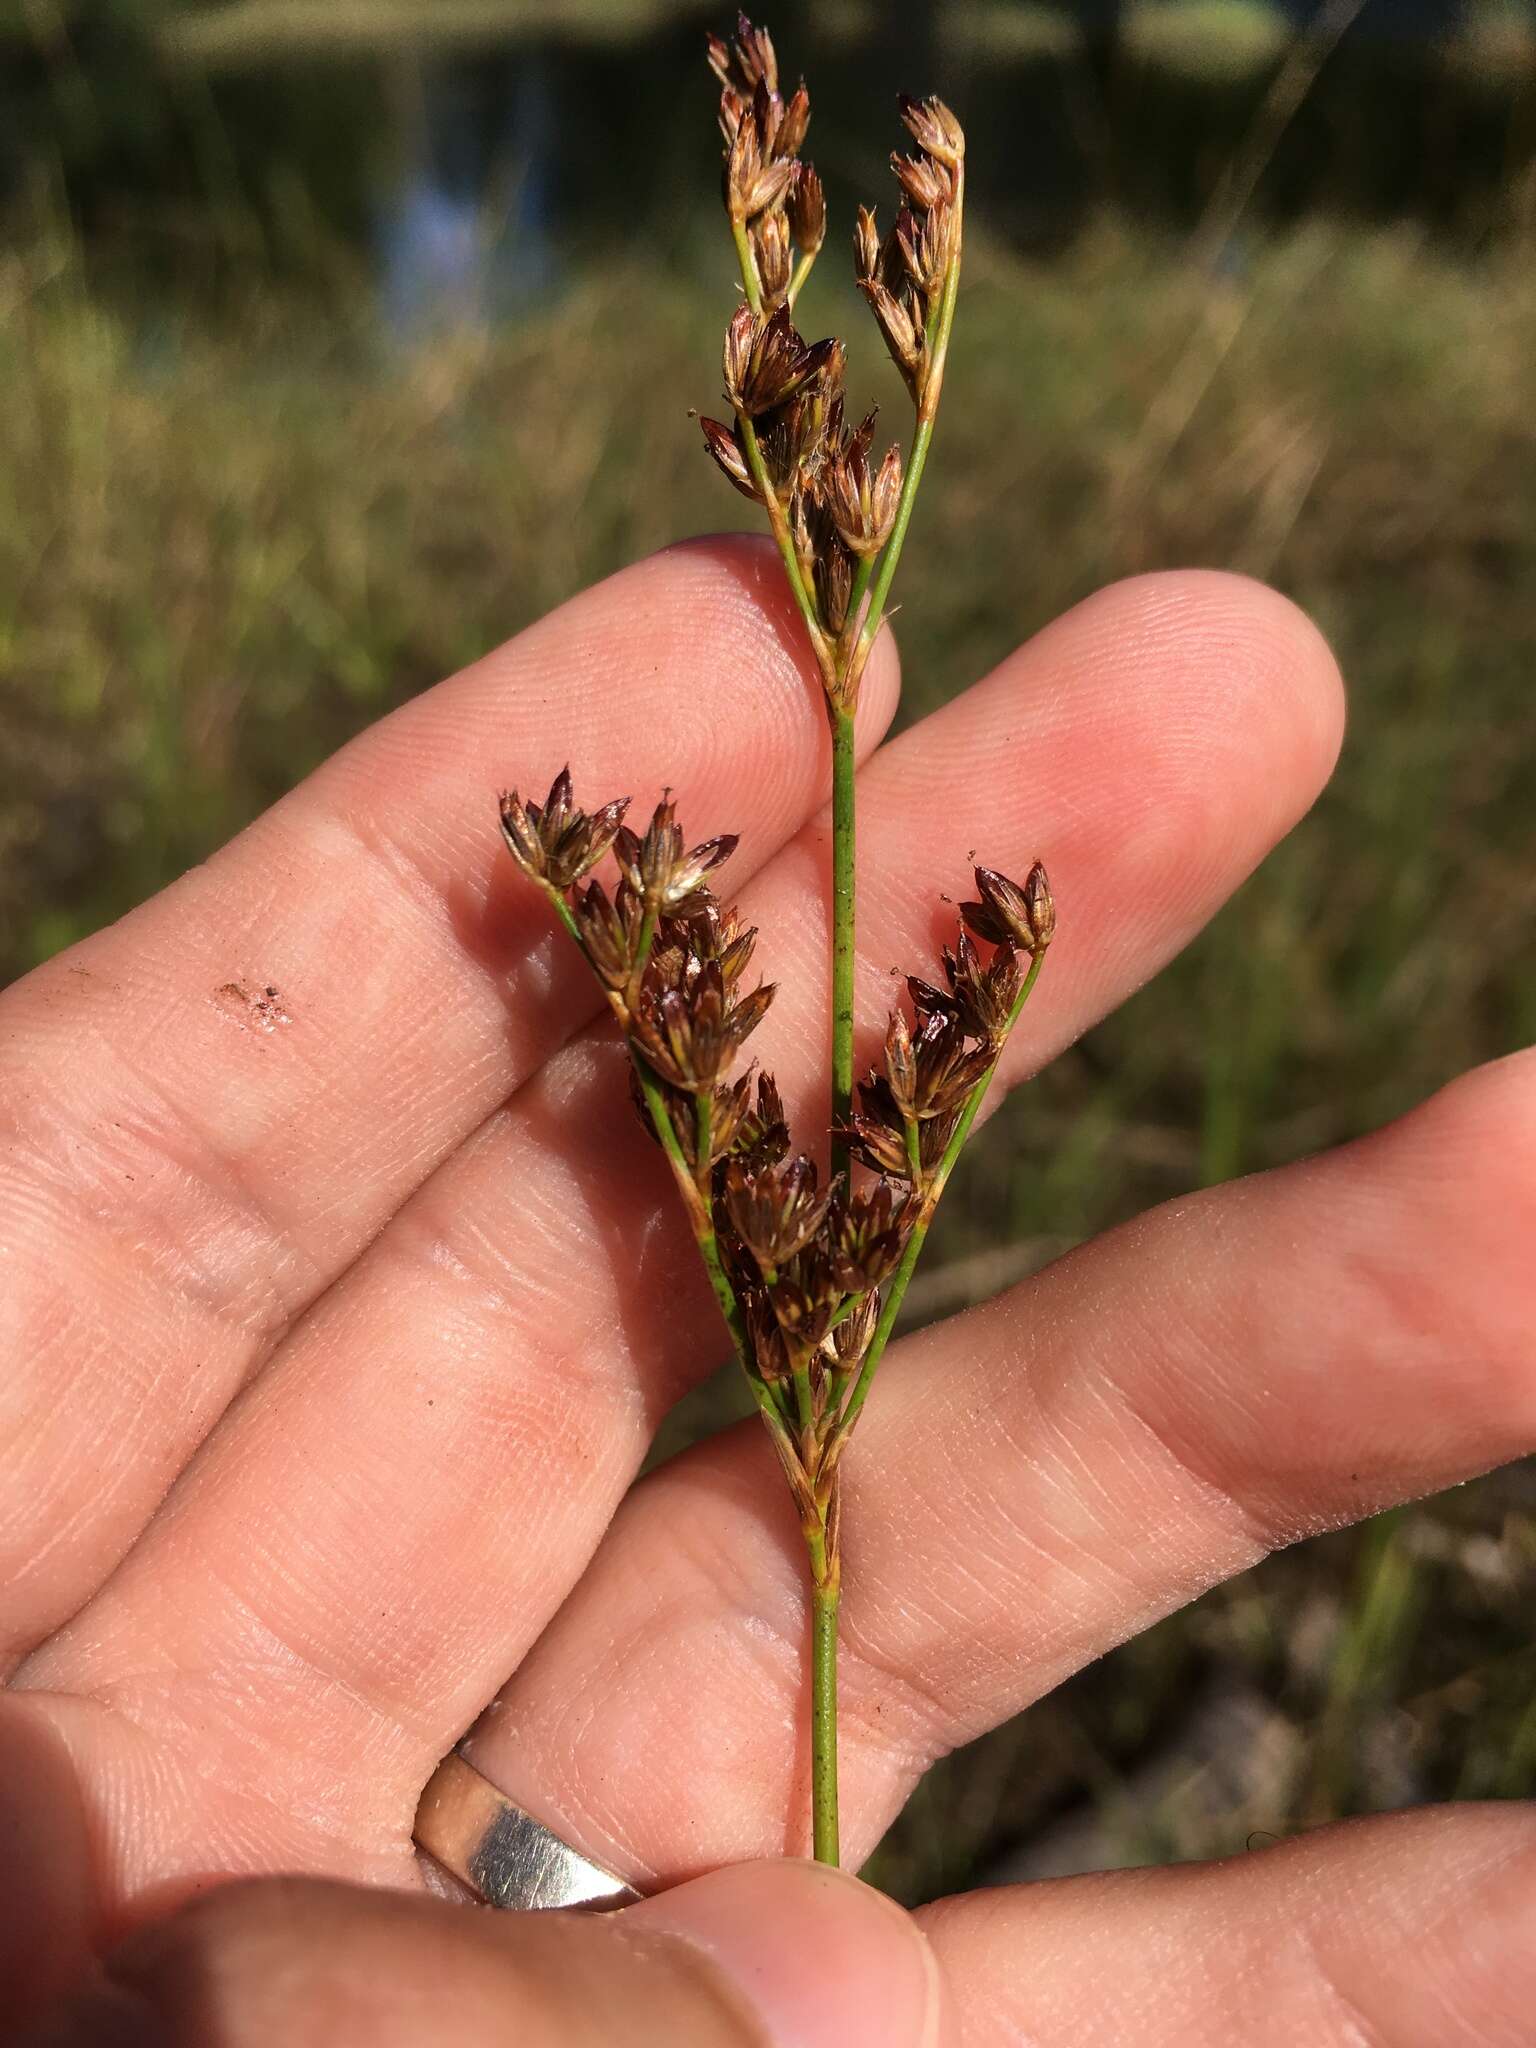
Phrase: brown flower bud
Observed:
(762, 1134)
(656, 867)
(946, 1071)
(773, 258)
(733, 111)
(924, 181)
(901, 1062)
(834, 583)
(866, 248)
(691, 1037)
(1026, 917)
(724, 444)
(793, 122)
(923, 244)
(984, 997)
(768, 1349)
(863, 506)
(796, 438)
(776, 1211)
(751, 183)
(866, 1236)
(850, 1339)
(878, 1130)
(1042, 907)
(903, 335)
(554, 841)
(806, 206)
(879, 1147)
(766, 361)
(934, 129)
(610, 931)
(755, 59)
(718, 53)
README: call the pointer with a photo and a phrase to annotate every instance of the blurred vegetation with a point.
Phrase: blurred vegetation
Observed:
(237, 524)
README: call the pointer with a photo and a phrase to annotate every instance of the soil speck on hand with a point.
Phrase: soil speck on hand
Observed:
(253, 1009)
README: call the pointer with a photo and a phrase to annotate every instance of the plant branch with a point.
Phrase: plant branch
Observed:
(891, 1306)
(844, 884)
(825, 658)
(749, 282)
(922, 440)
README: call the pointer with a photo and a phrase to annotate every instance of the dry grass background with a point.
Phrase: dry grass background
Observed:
(228, 542)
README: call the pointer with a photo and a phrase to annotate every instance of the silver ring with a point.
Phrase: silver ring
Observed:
(505, 1856)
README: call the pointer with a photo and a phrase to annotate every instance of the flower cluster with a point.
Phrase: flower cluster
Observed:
(801, 1258)
(833, 502)
(775, 202)
(904, 277)
(912, 1107)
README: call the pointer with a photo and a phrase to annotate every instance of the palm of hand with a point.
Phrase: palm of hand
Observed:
(344, 1294)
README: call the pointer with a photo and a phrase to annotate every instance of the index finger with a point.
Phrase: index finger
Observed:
(210, 1108)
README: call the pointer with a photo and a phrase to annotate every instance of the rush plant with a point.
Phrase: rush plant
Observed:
(809, 1271)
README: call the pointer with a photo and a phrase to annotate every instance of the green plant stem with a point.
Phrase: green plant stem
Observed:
(861, 579)
(891, 1307)
(802, 272)
(777, 520)
(748, 268)
(844, 838)
(826, 1596)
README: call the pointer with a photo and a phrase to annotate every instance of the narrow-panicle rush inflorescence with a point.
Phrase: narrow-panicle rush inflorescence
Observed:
(809, 1270)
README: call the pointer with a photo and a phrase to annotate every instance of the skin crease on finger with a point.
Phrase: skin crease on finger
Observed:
(362, 1551)
(208, 1110)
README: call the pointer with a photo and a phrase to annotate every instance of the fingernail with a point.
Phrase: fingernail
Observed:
(821, 1960)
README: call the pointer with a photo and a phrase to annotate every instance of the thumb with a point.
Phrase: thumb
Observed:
(764, 1955)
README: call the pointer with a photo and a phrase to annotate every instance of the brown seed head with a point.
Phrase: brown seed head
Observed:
(984, 997)
(877, 1130)
(657, 868)
(850, 1340)
(866, 248)
(805, 1298)
(753, 182)
(762, 1133)
(610, 931)
(923, 243)
(777, 1210)
(692, 1036)
(773, 257)
(923, 179)
(903, 335)
(947, 1069)
(766, 361)
(901, 1063)
(768, 1349)
(724, 444)
(554, 841)
(866, 1236)
(863, 504)
(934, 129)
(1006, 913)
(793, 121)
(1042, 907)
(806, 207)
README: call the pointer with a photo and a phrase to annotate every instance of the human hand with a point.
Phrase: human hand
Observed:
(343, 1294)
